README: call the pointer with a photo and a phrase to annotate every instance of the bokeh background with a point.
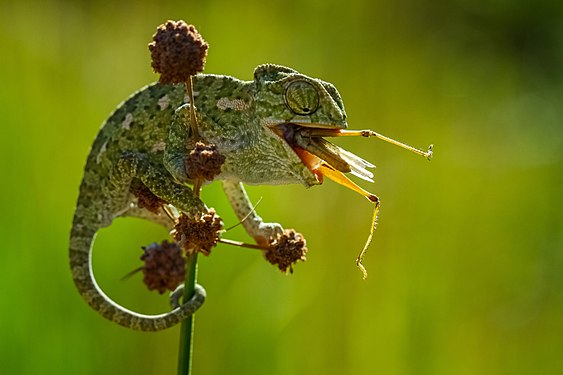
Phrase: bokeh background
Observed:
(466, 268)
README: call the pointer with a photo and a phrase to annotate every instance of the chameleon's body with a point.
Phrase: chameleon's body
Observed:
(147, 139)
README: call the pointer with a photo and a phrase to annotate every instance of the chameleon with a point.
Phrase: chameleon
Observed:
(265, 128)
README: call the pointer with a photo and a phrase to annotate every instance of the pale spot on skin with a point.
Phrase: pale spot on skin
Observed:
(159, 146)
(164, 102)
(236, 104)
(126, 124)
(101, 153)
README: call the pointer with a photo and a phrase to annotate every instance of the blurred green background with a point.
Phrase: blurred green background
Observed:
(466, 268)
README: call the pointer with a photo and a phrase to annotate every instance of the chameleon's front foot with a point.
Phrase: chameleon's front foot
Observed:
(266, 231)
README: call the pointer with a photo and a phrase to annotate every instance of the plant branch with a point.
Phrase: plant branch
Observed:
(187, 328)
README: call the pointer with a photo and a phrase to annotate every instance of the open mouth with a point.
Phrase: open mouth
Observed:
(324, 158)
(314, 149)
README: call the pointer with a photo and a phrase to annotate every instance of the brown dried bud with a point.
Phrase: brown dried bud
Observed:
(145, 197)
(286, 249)
(198, 234)
(178, 51)
(165, 267)
(204, 162)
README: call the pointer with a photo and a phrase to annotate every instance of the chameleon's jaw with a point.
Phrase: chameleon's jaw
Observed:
(315, 151)
(319, 125)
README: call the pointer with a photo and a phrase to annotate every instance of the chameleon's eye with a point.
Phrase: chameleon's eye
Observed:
(302, 97)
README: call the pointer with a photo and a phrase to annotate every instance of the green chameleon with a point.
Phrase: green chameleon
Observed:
(269, 130)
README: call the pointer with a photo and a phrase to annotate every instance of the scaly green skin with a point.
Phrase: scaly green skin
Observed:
(147, 138)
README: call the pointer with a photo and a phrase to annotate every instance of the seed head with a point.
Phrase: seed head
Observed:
(199, 233)
(164, 267)
(178, 51)
(286, 249)
(204, 162)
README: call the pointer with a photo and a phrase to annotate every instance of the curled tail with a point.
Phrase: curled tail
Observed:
(80, 253)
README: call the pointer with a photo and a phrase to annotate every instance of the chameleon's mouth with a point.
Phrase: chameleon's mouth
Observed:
(322, 157)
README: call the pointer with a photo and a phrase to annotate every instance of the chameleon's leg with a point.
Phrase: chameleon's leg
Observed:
(180, 140)
(158, 180)
(84, 230)
(254, 225)
(175, 151)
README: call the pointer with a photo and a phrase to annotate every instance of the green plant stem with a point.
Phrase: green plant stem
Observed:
(187, 328)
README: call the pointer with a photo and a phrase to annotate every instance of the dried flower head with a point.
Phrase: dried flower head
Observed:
(178, 51)
(198, 234)
(145, 197)
(164, 266)
(286, 249)
(204, 162)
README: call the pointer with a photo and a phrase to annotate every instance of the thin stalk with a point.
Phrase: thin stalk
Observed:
(242, 244)
(193, 118)
(188, 325)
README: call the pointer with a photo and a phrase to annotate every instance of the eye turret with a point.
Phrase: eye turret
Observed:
(302, 97)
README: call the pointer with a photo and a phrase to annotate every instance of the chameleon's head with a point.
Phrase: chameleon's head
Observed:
(298, 111)
(284, 96)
